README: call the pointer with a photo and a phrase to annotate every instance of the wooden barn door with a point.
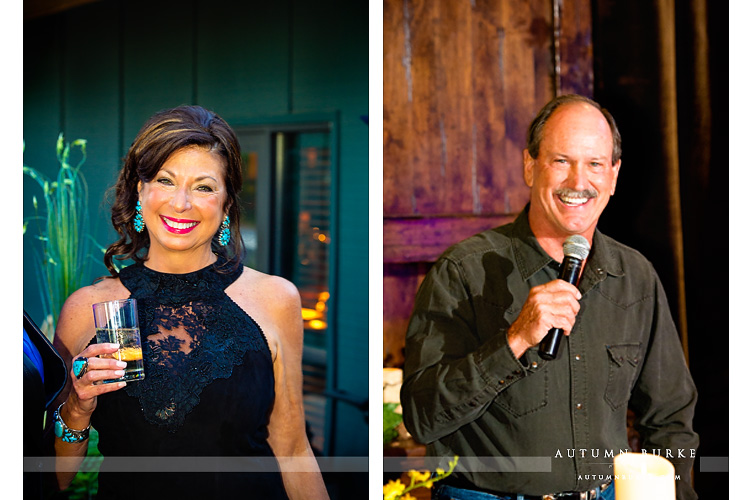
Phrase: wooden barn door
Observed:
(462, 80)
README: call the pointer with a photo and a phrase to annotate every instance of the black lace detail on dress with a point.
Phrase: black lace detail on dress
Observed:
(192, 334)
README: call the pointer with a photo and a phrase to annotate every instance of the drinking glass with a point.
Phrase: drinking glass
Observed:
(116, 322)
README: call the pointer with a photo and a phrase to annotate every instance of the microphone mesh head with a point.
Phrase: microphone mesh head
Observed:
(576, 246)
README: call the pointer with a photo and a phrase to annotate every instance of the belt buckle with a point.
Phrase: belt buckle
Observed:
(584, 495)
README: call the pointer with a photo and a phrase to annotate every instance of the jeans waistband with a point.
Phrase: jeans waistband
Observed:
(446, 492)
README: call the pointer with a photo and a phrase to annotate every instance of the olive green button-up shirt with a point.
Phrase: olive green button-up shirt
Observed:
(465, 393)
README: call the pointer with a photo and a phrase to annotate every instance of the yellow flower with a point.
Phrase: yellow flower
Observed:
(421, 477)
(393, 489)
(439, 471)
(408, 497)
(418, 477)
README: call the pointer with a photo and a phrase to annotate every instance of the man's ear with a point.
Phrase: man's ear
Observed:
(616, 173)
(528, 168)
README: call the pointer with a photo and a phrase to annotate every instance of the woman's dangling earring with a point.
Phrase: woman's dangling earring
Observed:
(225, 233)
(138, 220)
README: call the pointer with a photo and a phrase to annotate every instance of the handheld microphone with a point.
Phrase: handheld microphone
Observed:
(575, 249)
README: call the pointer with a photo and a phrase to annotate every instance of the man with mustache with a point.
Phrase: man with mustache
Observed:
(474, 383)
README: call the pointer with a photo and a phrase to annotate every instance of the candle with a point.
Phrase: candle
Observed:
(392, 378)
(640, 476)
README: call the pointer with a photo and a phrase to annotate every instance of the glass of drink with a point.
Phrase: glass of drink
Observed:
(116, 322)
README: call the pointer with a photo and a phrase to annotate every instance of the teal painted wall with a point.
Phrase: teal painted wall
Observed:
(99, 71)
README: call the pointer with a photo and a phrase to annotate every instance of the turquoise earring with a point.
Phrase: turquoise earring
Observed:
(138, 220)
(225, 233)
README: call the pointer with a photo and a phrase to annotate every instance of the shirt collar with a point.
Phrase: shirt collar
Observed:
(601, 263)
(530, 257)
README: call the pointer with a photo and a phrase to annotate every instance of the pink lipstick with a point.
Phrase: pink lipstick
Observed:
(178, 226)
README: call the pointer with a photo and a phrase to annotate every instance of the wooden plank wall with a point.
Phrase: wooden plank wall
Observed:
(462, 80)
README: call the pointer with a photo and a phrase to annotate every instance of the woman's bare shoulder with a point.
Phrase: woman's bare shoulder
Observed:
(275, 291)
(75, 326)
(101, 291)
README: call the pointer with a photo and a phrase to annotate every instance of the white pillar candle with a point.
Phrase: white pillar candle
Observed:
(392, 378)
(641, 476)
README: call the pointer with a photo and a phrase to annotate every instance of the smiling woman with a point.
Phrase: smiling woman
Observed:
(222, 343)
(183, 207)
(187, 161)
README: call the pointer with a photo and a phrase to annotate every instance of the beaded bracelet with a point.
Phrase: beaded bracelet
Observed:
(67, 434)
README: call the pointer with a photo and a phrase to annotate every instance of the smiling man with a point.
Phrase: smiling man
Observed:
(474, 383)
(571, 166)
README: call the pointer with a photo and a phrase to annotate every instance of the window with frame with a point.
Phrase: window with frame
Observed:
(286, 226)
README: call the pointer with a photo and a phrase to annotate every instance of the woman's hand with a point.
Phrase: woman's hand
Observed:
(82, 397)
(81, 402)
(73, 334)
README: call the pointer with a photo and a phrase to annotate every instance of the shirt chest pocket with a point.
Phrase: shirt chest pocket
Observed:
(624, 360)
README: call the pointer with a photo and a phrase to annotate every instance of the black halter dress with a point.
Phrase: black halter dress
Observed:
(204, 405)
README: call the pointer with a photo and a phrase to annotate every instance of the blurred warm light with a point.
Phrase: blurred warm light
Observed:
(315, 318)
(321, 304)
(322, 237)
(308, 314)
(317, 324)
(252, 166)
(312, 157)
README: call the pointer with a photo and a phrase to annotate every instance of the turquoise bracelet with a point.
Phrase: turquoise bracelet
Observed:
(67, 434)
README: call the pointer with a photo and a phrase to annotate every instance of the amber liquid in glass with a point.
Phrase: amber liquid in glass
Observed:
(130, 351)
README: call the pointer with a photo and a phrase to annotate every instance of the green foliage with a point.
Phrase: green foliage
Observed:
(62, 231)
(391, 420)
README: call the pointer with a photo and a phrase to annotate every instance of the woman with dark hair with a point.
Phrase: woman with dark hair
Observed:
(222, 343)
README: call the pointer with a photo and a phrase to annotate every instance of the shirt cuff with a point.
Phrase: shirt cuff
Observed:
(498, 366)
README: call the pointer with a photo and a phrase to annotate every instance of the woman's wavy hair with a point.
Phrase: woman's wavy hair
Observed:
(163, 134)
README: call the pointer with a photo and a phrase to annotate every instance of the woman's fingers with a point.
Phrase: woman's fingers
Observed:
(95, 350)
(99, 364)
(103, 369)
(88, 383)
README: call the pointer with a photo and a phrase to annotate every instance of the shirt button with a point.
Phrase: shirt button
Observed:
(534, 364)
(502, 382)
(599, 271)
(578, 357)
(579, 406)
